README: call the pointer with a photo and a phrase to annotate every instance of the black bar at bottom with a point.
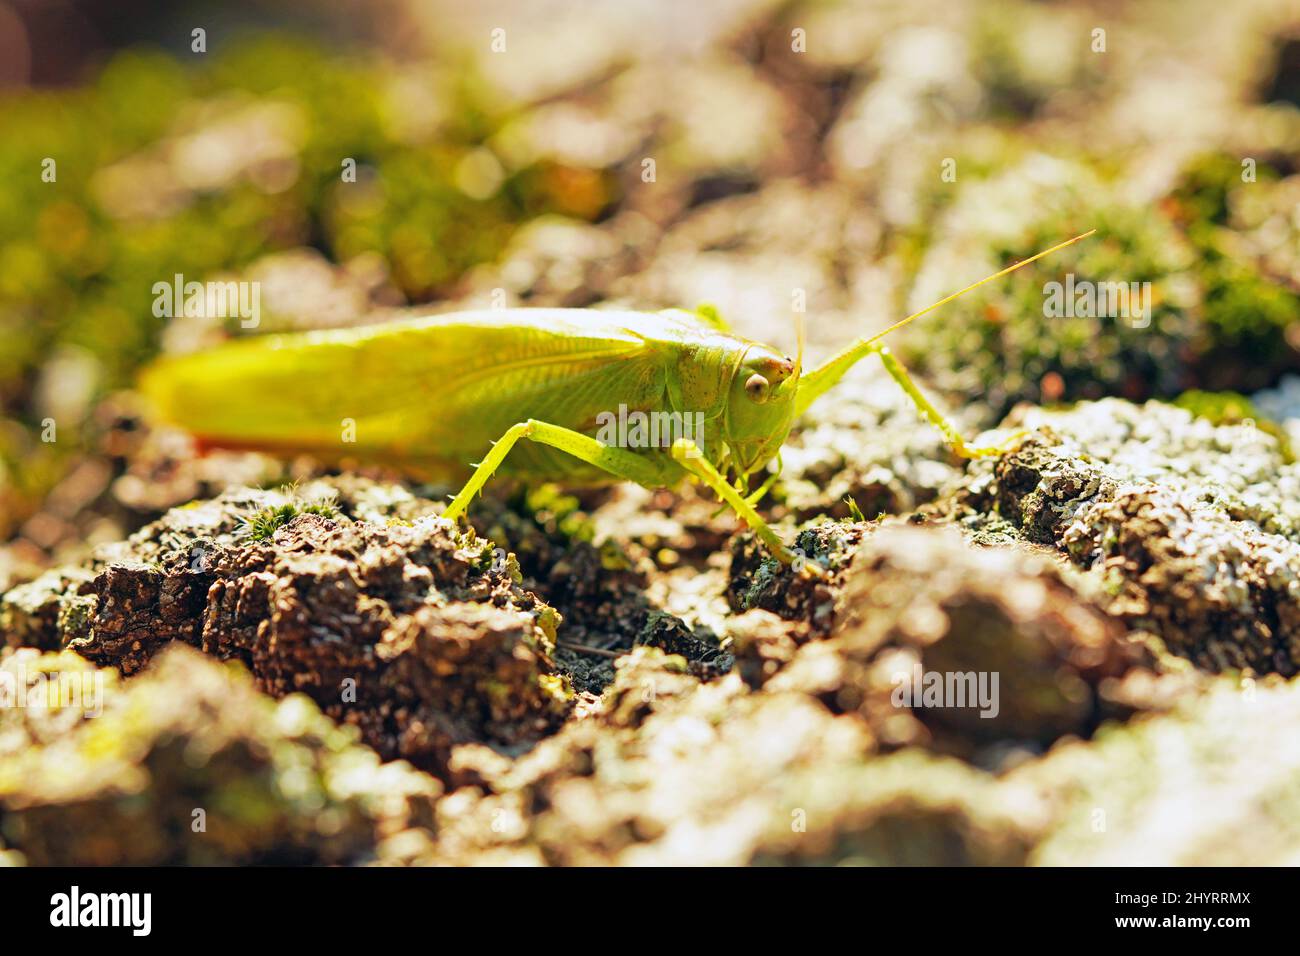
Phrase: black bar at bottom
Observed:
(373, 905)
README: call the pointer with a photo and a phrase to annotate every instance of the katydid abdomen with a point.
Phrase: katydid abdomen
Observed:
(435, 392)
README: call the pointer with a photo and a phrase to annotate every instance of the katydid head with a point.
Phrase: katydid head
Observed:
(760, 408)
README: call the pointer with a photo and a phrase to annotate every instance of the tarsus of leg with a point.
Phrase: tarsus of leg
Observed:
(817, 382)
(687, 454)
(618, 462)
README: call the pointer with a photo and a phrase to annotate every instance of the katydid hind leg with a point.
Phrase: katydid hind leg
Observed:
(619, 463)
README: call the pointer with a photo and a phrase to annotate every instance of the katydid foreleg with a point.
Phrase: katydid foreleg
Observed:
(688, 455)
(959, 445)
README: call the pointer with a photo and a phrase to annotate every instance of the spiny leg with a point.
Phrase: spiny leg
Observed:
(617, 461)
(687, 454)
(924, 405)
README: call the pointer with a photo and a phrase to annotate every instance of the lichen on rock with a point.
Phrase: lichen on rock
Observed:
(1190, 527)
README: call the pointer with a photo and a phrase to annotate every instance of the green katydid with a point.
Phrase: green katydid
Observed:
(434, 392)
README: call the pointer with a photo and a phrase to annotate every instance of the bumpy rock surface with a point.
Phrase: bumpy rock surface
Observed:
(603, 592)
(1212, 784)
(1037, 660)
(1065, 568)
(865, 442)
(672, 771)
(31, 614)
(1191, 528)
(418, 634)
(187, 764)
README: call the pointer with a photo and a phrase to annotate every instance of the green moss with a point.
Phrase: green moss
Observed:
(76, 614)
(1250, 313)
(1006, 342)
(558, 512)
(263, 524)
(1207, 182)
(1222, 313)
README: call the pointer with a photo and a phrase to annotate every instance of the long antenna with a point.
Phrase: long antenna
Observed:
(801, 338)
(975, 285)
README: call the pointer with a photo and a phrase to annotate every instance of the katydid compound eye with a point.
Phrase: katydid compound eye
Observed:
(756, 388)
